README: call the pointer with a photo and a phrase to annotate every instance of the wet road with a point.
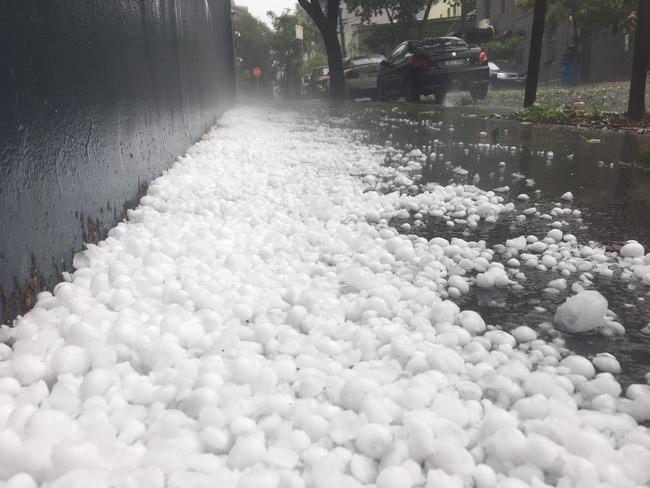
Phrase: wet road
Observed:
(609, 187)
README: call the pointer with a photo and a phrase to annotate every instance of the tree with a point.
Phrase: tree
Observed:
(252, 47)
(534, 58)
(397, 11)
(327, 19)
(636, 103)
(286, 49)
(402, 14)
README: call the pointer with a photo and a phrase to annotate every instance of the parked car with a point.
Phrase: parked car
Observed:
(503, 76)
(305, 84)
(360, 75)
(433, 66)
(319, 81)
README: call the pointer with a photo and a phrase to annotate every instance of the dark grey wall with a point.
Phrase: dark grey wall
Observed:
(97, 97)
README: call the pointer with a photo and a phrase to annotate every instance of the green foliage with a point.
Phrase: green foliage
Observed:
(568, 115)
(252, 38)
(287, 49)
(284, 44)
(397, 11)
(512, 49)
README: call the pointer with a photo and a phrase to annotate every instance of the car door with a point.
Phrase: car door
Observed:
(392, 77)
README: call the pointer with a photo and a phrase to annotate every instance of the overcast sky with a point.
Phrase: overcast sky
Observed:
(259, 7)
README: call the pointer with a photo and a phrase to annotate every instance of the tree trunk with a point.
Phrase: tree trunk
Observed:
(636, 103)
(535, 55)
(463, 17)
(574, 24)
(425, 17)
(334, 61)
(327, 23)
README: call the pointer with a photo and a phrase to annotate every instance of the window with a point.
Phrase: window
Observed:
(399, 50)
(442, 43)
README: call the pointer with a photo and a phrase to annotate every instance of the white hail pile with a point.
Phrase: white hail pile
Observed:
(257, 324)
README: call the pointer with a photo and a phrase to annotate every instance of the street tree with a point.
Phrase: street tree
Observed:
(535, 56)
(287, 50)
(401, 14)
(397, 11)
(325, 14)
(636, 104)
(252, 38)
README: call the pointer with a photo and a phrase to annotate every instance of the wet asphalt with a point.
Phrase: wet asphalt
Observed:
(610, 186)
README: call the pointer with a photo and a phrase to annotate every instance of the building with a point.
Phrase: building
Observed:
(605, 54)
(356, 34)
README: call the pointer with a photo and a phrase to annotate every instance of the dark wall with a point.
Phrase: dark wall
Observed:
(97, 98)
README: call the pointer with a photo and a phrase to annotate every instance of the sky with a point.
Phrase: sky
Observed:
(259, 7)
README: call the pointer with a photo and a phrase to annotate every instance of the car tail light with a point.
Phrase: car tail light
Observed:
(351, 74)
(483, 57)
(419, 62)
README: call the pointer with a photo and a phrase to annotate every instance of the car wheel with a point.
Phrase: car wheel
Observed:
(439, 94)
(411, 92)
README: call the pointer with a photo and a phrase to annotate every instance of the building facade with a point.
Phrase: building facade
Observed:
(352, 27)
(603, 55)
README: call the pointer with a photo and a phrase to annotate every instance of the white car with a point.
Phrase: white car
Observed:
(361, 75)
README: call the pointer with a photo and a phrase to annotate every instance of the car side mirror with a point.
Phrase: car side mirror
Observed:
(384, 64)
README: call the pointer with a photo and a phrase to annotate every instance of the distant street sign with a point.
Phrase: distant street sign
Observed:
(299, 32)
(257, 72)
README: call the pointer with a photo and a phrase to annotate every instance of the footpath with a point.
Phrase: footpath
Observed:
(257, 323)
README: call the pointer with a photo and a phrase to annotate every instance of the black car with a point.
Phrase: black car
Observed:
(433, 66)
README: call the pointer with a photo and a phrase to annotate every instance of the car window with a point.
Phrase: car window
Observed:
(364, 60)
(399, 50)
(443, 43)
(493, 66)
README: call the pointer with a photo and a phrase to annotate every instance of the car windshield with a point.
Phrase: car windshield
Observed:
(442, 43)
(493, 66)
(363, 60)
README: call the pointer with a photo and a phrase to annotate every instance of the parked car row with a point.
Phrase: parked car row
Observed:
(432, 66)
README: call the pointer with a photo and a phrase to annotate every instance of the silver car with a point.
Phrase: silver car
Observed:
(361, 75)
